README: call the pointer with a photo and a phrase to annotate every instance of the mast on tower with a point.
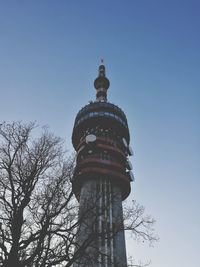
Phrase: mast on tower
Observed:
(101, 84)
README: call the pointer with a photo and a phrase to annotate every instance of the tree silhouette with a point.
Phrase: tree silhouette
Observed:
(38, 211)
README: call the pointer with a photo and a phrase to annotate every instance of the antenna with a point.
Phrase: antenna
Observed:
(124, 142)
(90, 138)
(131, 176)
(129, 165)
(130, 151)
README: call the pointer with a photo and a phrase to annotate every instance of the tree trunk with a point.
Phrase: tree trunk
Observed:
(13, 258)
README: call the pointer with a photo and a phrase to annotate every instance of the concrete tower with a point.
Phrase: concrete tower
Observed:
(101, 179)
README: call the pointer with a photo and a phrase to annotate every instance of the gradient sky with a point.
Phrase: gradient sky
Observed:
(49, 55)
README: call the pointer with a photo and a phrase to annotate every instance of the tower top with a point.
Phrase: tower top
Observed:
(101, 84)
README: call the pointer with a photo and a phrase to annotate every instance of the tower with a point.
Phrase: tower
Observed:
(101, 179)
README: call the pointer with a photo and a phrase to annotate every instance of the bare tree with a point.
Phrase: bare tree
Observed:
(138, 223)
(38, 211)
(141, 228)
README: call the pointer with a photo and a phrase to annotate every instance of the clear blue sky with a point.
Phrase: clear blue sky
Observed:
(49, 54)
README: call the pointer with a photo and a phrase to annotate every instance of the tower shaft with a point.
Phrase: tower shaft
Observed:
(102, 225)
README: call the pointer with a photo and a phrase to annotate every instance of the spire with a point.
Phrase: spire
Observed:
(101, 84)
